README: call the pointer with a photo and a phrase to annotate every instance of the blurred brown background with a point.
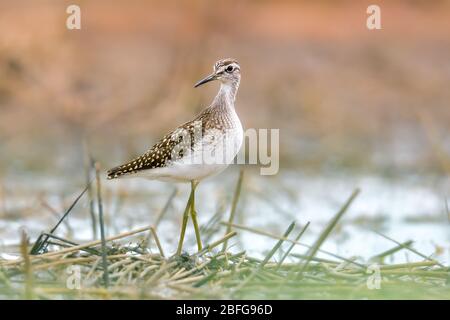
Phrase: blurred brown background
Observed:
(342, 96)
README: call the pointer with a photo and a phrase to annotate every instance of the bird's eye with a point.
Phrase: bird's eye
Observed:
(229, 69)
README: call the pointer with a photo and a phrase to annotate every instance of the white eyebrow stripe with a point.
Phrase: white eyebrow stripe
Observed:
(223, 68)
(236, 66)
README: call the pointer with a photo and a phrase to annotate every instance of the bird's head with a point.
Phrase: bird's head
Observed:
(227, 71)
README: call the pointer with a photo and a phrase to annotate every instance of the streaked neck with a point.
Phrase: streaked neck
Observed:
(227, 94)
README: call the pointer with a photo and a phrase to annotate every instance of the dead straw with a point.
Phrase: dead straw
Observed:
(313, 250)
(102, 226)
(237, 193)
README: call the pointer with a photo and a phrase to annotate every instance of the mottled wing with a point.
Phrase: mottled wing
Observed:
(173, 146)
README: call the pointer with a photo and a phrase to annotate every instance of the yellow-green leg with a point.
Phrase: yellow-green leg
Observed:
(184, 222)
(194, 215)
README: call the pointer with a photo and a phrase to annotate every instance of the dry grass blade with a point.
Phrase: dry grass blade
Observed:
(102, 226)
(381, 256)
(274, 236)
(313, 250)
(79, 247)
(267, 257)
(407, 247)
(88, 166)
(27, 266)
(41, 243)
(277, 245)
(316, 259)
(237, 193)
(286, 254)
(158, 244)
(162, 270)
(210, 246)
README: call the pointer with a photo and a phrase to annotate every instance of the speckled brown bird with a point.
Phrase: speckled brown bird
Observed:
(197, 149)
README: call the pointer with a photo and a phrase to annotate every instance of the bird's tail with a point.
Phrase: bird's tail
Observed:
(118, 172)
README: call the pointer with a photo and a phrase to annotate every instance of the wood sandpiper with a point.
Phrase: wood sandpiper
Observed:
(197, 149)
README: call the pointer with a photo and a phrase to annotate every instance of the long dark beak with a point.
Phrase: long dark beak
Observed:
(209, 78)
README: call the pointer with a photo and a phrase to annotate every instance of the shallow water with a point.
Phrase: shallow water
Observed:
(405, 208)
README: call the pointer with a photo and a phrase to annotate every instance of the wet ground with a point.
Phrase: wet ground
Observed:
(402, 208)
